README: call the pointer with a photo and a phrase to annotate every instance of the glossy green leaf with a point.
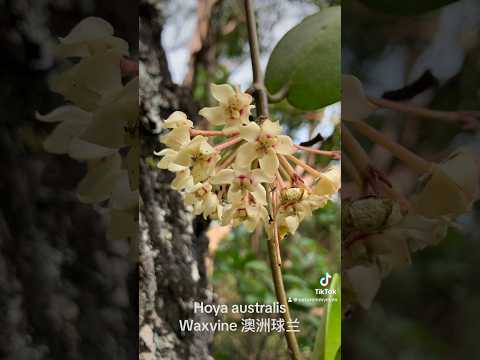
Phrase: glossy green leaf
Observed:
(329, 335)
(306, 62)
(406, 7)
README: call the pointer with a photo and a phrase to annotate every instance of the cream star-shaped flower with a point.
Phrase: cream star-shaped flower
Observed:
(242, 212)
(243, 181)
(450, 188)
(263, 143)
(183, 176)
(328, 183)
(179, 136)
(91, 36)
(233, 109)
(296, 205)
(203, 200)
(200, 156)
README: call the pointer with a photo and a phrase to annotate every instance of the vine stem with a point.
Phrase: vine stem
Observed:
(258, 85)
(262, 113)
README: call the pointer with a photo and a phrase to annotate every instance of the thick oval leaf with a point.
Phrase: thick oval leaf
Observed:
(306, 62)
(406, 7)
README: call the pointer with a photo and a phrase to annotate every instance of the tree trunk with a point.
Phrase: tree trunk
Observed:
(172, 244)
(66, 292)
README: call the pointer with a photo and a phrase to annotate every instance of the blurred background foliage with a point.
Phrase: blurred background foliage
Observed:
(238, 263)
(429, 309)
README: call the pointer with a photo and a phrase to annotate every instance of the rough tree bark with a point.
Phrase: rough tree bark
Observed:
(66, 292)
(172, 243)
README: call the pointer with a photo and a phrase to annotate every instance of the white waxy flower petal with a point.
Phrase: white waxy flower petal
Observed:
(365, 282)
(246, 154)
(81, 150)
(97, 184)
(86, 82)
(260, 194)
(169, 156)
(292, 223)
(177, 138)
(329, 182)
(173, 167)
(91, 36)
(284, 145)
(260, 176)
(451, 187)
(390, 248)
(225, 176)
(66, 112)
(182, 180)
(269, 164)
(215, 115)
(462, 168)
(177, 119)
(184, 158)
(249, 132)
(245, 99)
(234, 195)
(92, 47)
(90, 28)
(210, 204)
(165, 152)
(355, 105)
(205, 148)
(222, 93)
(271, 128)
(111, 122)
(59, 140)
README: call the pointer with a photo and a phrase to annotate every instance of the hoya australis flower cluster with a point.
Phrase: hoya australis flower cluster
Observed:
(242, 174)
(381, 227)
(99, 123)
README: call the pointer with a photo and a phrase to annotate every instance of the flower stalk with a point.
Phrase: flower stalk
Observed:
(413, 161)
(227, 144)
(262, 113)
(362, 172)
(195, 132)
(333, 154)
(306, 167)
(465, 118)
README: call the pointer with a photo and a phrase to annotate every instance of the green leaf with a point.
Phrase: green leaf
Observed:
(306, 62)
(329, 335)
(406, 7)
